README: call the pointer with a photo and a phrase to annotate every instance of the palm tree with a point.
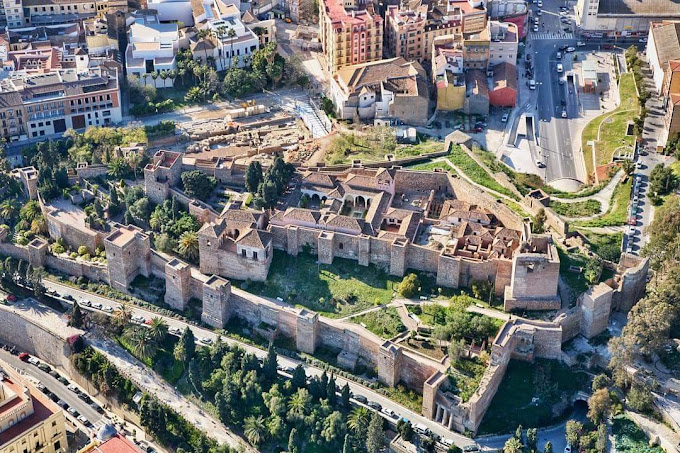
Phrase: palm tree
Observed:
(158, 329)
(231, 34)
(172, 75)
(359, 419)
(299, 402)
(117, 168)
(203, 34)
(145, 76)
(188, 245)
(628, 167)
(133, 160)
(221, 31)
(124, 314)
(513, 445)
(154, 76)
(156, 220)
(163, 75)
(254, 429)
(9, 209)
(143, 344)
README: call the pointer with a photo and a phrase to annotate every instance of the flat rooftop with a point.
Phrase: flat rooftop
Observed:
(649, 8)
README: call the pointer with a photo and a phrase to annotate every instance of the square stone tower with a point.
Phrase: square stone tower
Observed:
(37, 250)
(177, 284)
(389, 363)
(161, 174)
(216, 301)
(306, 331)
(128, 252)
(596, 304)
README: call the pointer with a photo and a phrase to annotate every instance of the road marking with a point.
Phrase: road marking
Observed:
(552, 36)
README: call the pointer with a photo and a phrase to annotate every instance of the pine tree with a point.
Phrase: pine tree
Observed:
(269, 364)
(347, 446)
(330, 392)
(76, 319)
(186, 346)
(375, 438)
(292, 441)
(345, 395)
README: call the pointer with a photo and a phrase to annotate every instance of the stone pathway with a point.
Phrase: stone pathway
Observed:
(604, 196)
(150, 382)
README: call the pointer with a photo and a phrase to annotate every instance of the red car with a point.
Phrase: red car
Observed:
(24, 356)
(12, 298)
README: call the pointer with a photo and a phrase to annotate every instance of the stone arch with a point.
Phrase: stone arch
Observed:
(360, 201)
(315, 198)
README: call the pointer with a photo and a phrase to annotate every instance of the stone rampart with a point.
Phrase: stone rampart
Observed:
(93, 271)
(633, 282)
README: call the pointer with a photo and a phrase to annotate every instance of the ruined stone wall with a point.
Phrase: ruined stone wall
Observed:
(232, 265)
(95, 272)
(422, 181)
(380, 252)
(471, 271)
(633, 282)
(548, 341)
(422, 258)
(27, 336)
(13, 250)
(72, 235)
(92, 171)
(552, 219)
(595, 309)
(570, 322)
(415, 370)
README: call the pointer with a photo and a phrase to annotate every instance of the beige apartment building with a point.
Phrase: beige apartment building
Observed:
(351, 33)
(405, 32)
(29, 421)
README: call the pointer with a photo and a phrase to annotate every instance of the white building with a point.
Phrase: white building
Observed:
(616, 18)
(663, 46)
(504, 43)
(173, 11)
(229, 37)
(152, 47)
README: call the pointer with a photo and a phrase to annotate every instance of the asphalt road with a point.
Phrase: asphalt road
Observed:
(55, 387)
(201, 333)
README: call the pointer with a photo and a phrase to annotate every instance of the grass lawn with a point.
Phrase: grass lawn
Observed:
(431, 166)
(465, 377)
(578, 209)
(614, 127)
(575, 280)
(547, 380)
(370, 147)
(429, 348)
(618, 208)
(335, 290)
(384, 323)
(475, 172)
(164, 362)
(630, 438)
(605, 244)
(407, 398)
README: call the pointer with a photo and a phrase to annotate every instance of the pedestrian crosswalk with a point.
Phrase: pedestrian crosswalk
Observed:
(552, 36)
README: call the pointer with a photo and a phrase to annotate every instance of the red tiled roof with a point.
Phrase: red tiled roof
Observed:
(117, 444)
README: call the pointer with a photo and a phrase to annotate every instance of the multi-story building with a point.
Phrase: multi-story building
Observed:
(616, 18)
(405, 33)
(476, 49)
(504, 44)
(351, 34)
(29, 421)
(46, 104)
(152, 47)
(448, 72)
(663, 46)
(230, 42)
(265, 30)
(671, 102)
(387, 89)
(47, 12)
(514, 11)
(12, 13)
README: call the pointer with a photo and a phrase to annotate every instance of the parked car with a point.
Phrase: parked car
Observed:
(96, 407)
(361, 398)
(72, 411)
(97, 305)
(85, 302)
(83, 420)
(174, 331)
(40, 386)
(375, 406)
(560, 68)
(73, 388)
(32, 360)
(44, 367)
(642, 40)
(564, 113)
(390, 413)
(85, 397)
(108, 309)
(540, 164)
(570, 49)
(558, 55)
(63, 380)
(505, 118)
(24, 356)
(206, 340)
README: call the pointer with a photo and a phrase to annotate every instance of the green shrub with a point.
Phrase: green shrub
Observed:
(82, 250)
(409, 286)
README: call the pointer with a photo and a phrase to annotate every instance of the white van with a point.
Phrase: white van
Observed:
(532, 84)
(560, 68)
(420, 428)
